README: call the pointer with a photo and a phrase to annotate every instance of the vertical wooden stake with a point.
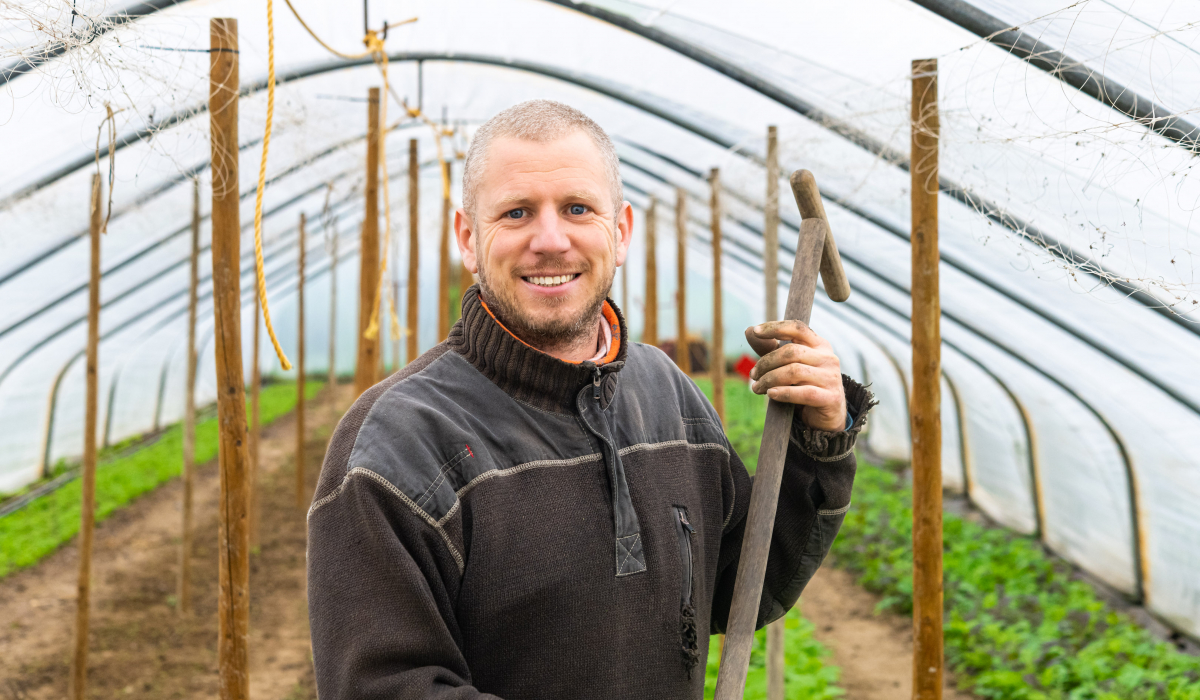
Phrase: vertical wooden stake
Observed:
(333, 263)
(683, 358)
(233, 576)
(650, 325)
(189, 416)
(717, 364)
(444, 260)
(301, 501)
(88, 473)
(368, 279)
(414, 250)
(926, 399)
(775, 634)
(255, 422)
(771, 239)
(396, 305)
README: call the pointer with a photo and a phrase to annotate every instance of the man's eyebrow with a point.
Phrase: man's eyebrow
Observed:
(585, 195)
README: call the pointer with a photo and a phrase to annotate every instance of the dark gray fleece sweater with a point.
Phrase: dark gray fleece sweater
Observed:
(494, 522)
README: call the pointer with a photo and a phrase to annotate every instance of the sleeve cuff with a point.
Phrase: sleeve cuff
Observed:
(828, 446)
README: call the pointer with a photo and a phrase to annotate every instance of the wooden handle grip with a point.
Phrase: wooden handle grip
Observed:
(808, 199)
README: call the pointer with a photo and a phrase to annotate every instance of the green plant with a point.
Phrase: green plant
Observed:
(745, 413)
(805, 675)
(1017, 626)
(47, 522)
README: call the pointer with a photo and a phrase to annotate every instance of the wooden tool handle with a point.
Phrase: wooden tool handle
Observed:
(764, 496)
(808, 199)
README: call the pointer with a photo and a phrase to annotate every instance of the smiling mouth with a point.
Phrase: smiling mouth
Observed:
(551, 280)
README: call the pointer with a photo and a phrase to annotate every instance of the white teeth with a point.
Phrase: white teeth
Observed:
(551, 281)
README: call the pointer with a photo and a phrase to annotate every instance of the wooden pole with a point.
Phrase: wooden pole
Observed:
(88, 473)
(650, 325)
(775, 633)
(764, 497)
(233, 576)
(444, 261)
(255, 416)
(414, 251)
(717, 364)
(333, 263)
(682, 356)
(926, 399)
(189, 416)
(396, 305)
(301, 501)
(368, 277)
(771, 239)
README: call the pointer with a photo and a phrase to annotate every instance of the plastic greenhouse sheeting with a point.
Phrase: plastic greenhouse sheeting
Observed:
(1071, 394)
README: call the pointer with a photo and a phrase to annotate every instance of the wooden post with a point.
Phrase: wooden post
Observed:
(771, 242)
(717, 363)
(926, 399)
(414, 250)
(650, 325)
(255, 416)
(88, 472)
(189, 416)
(233, 576)
(682, 356)
(775, 634)
(396, 305)
(368, 255)
(301, 501)
(333, 263)
(444, 261)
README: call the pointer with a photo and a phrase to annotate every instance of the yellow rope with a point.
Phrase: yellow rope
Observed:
(262, 184)
(375, 48)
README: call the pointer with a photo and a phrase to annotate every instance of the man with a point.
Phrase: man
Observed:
(537, 507)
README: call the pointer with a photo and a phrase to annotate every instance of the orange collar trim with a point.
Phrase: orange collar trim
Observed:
(610, 317)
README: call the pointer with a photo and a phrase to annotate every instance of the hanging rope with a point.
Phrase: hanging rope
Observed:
(262, 184)
(110, 122)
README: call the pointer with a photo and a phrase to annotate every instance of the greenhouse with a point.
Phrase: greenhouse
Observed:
(1064, 228)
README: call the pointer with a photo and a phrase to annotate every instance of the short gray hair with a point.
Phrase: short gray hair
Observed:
(538, 121)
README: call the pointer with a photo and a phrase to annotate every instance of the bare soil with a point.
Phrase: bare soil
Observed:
(141, 646)
(873, 650)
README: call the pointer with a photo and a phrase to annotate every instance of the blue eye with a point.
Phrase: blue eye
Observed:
(516, 214)
(578, 209)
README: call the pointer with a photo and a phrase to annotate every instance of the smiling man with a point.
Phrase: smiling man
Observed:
(538, 507)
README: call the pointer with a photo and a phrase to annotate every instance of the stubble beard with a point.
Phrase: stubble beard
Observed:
(545, 334)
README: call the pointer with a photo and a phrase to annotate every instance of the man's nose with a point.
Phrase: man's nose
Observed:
(550, 235)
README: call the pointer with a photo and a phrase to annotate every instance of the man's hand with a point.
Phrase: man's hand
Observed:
(798, 366)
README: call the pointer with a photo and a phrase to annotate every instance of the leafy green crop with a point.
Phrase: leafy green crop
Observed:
(1017, 626)
(745, 414)
(46, 523)
(805, 675)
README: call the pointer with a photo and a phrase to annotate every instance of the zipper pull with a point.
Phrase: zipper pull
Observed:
(595, 382)
(684, 521)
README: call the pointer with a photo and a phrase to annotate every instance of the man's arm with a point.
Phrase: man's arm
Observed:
(381, 586)
(818, 470)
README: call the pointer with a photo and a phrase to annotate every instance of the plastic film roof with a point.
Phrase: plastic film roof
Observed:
(1071, 395)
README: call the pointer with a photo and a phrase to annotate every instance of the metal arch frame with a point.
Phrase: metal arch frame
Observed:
(956, 264)
(980, 204)
(63, 329)
(1107, 91)
(624, 96)
(952, 189)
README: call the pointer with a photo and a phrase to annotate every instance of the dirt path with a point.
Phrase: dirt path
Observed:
(141, 647)
(874, 651)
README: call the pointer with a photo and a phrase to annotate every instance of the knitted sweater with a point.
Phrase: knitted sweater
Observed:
(494, 522)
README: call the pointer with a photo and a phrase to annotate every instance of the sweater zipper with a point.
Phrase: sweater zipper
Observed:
(689, 643)
(596, 382)
(684, 530)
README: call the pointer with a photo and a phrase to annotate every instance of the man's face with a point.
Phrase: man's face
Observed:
(545, 240)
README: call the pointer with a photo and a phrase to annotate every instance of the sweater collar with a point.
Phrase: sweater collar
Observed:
(526, 373)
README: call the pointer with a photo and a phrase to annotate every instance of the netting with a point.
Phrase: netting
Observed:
(1071, 398)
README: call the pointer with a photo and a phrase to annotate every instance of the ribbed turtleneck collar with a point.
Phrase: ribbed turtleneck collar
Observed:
(524, 373)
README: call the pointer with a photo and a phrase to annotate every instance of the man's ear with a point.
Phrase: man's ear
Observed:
(464, 235)
(624, 232)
